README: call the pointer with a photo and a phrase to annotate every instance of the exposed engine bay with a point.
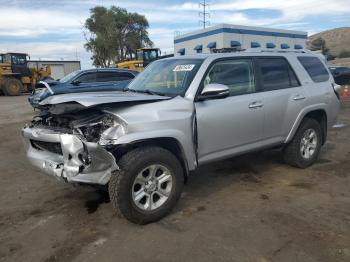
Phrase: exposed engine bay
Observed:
(89, 123)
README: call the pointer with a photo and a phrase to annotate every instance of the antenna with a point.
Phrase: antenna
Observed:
(204, 14)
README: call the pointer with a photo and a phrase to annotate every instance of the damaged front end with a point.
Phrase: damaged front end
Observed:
(69, 145)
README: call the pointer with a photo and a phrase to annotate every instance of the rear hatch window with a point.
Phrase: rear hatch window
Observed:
(315, 68)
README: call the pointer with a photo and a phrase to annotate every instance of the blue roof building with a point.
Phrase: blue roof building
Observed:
(238, 37)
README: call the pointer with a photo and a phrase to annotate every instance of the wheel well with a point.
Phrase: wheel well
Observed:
(320, 116)
(168, 143)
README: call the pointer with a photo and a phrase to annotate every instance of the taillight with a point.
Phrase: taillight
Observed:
(336, 88)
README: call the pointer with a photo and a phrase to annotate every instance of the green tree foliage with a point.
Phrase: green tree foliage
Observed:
(344, 53)
(319, 44)
(114, 34)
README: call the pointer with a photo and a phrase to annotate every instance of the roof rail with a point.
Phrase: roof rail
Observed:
(227, 50)
(254, 50)
(257, 50)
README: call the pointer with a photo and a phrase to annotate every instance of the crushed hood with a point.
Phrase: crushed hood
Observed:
(99, 98)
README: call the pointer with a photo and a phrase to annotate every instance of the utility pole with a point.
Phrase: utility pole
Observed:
(204, 14)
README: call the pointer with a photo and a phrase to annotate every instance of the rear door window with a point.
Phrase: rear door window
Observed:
(276, 73)
(113, 76)
(314, 68)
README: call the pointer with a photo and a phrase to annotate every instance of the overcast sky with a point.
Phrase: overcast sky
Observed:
(52, 29)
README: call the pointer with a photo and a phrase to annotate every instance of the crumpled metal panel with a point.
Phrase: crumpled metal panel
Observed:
(71, 148)
(102, 163)
(98, 98)
(70, 167)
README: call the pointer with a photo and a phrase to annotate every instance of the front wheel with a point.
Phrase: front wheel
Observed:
(305, 147)
(12, 86)
(147, 185)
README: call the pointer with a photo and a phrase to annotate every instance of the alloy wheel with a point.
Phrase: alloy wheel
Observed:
(152, 187)
(308, 143)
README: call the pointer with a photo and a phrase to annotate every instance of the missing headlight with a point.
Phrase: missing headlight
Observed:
(92, 128)
(110, 135)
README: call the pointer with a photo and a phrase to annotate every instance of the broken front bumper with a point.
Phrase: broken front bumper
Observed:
(68, 157)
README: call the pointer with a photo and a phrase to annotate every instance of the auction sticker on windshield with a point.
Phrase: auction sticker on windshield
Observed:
(180, 68)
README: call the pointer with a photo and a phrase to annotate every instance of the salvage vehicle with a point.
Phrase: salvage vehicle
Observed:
(92, 80)
(181, 113)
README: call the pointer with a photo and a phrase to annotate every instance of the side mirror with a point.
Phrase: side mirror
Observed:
(75, 82)
(214, 91)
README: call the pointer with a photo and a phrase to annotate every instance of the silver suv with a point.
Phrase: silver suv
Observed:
(181, 113)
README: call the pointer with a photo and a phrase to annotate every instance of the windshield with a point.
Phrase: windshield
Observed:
(69, 77)
(169, 77)
(150, 55)
(7, 59)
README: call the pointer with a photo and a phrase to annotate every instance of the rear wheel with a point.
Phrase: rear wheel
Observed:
(305, 147)
(148, 184)
(12, 86)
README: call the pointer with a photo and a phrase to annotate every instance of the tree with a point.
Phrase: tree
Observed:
(319, 44)
(114, 34)
(344, 53)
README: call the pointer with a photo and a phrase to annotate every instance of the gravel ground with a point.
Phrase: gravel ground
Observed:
(249, 208)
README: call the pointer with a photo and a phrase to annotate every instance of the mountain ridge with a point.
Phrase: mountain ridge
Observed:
(337, 39)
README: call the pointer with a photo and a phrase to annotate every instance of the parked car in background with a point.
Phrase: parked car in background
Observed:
(341, 74)
(92, 80)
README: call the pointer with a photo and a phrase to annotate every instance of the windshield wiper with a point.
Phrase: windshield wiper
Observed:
(146, 91)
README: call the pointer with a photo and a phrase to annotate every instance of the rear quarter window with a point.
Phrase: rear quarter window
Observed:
(314, 68)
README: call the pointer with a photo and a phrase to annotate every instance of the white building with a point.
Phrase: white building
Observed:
(59, 68)
(237, 36)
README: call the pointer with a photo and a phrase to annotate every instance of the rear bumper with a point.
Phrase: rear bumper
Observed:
(77, 161)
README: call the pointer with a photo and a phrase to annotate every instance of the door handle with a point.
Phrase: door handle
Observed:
(255, 105)
(298, 97)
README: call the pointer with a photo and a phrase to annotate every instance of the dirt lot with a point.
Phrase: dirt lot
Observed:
(251, 208)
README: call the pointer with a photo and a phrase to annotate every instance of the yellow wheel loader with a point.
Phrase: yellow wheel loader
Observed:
(15, 75)
(144, 56)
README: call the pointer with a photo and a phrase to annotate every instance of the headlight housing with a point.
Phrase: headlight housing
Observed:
(109, 136)
(116, 128)
(100, 129)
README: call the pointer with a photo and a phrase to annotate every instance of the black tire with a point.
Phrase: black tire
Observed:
(292, 152)
(12, 86)
(122, 181)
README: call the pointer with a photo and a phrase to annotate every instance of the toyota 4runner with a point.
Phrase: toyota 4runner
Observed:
(181, 113)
